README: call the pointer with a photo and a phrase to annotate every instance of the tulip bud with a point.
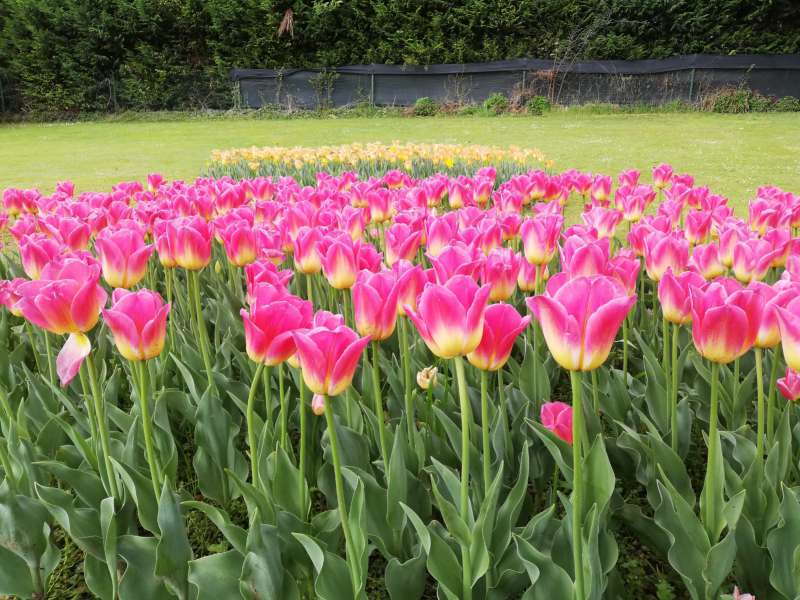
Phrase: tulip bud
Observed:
(427, 377)
(318, 405)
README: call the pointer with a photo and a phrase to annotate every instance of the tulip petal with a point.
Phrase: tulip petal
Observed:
(70, 358)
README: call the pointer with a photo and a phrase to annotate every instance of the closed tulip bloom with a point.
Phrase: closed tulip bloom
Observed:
(411, 280)
(706, 261)
(539, 237)
(557, 417)
(190, 242)
(375, 304)
(441, 231)
(339, 264)
(269, 324)
(531, 277)
(601, 188)
(664, 252)
(123, 256)
(401, 243)
(264, 271)
(164, 251)
(502, 324)
(73, 233)
(698, 226)
(728, 238)
(580, 318)
(789, 323)
(307, 258)
(70, 305)
(724, 324)
(752, 259)
(9, 294)
(35, 251)
(783, 292)
(457, 259)
(239, 241)
(789, 385)
(450, 317)
(500, 271)
(581, 258)
(662, 174)
(603, 220)
(673, 295)
(629, 177)
(625, 269)
(328, 358)
(138, 322)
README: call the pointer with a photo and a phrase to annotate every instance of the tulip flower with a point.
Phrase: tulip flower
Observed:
(264, 271)
(581, 258)
(502, 325)
(375, 304)
(539, 237)
(629, 177)
(35, 251)
(73, 233)
(752, 259)
(662, 174)
(580, 318)
(9, 294)
(663, 252)
(411, 280)
(603, 220)
(706, 261)
(190, 242)
(698, 226)
(500, 271)
(531, 277)
(557, 417)
(789, 385)
(269, 324)
(339, 264)
(123, 256)
(401, 243)
(426, 378)
(673, 295)
(138, 322)
(789, 323)
(328, 358)
(457, 259)
(450, 317)
(239, 241)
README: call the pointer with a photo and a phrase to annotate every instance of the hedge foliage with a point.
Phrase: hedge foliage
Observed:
(71, 55)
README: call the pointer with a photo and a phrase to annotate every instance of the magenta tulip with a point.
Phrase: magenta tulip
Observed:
(789, 385)
(123, 256)
(375, 304)
(328, 358)
(269, 325)
(557, 417)
(539, 237)
(502, 325)
(138, 322)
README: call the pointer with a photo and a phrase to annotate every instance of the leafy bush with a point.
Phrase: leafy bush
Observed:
(737, 100)
(538, 105)
(787, 104)
(496, 104)
(425, 107)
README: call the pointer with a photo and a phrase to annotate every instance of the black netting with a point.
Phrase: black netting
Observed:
(685, 78)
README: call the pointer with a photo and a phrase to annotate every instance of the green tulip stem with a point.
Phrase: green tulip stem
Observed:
(5, 464)
(464, 497)
(625, 348)
(376, 391)
(408, 391)
(31, 340)
(303, 433)
(487, 451)
(665, 356)
(266, 376)
(713, 438)
(673, 406)
(340, 498)
(284, 414)
(205, 344)
(760, 403)
(50, 372)
(139, 370)
(309, 288)
(252, 434)
(503, 408)
(595, 393)
(577, 483)
(102, 424)
(773, 378)
(735, 397)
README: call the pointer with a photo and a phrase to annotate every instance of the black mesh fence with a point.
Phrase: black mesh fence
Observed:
(684, 78)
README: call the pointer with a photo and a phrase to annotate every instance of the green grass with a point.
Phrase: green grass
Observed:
(733, 154)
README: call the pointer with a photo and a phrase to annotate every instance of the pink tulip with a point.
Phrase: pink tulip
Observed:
(729, 237)
(441, 231)
(698, 226)
(662, 174)
(9, 294)
(789, 324)
(154, 181)
(539, 237)
(789, 385)
(706, 261)
(138, 322)
(328, 358)
(779, 295)
(35, 251)
(318, 404)
(411, 280)
(73, 233)
(557, 417)
(601, 188)
(190, 242)
(450, 317)
(625, 269)
(375, 304)
(261, 272)
(339, 264)
(239, 241)
(603, 220)
(70, 305)
(269, 324)
(401, 243)
(502, 325)
(307, 257)
(457, 259)
(580, 258)
(500, 271)
(580, 318)
(752, 259)
(123, 256)
(531, 277)
(724, 324)
(629, 177)
(673, 295)
(663, 252)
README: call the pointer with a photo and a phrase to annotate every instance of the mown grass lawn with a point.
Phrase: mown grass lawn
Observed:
(733, 154)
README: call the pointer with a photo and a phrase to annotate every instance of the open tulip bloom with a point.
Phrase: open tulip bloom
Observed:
(434, 271)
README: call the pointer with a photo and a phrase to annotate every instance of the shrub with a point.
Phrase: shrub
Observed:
(737, 100)
(787, 104)
(538, 105)
(496, 104)
(425, 107)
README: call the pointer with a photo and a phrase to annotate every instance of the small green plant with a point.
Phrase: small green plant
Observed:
(496, 104)
(787, 104)
(425, 107)
(538, 105)
(738, 100)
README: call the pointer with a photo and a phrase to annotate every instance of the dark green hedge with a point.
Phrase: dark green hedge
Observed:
(71, 55)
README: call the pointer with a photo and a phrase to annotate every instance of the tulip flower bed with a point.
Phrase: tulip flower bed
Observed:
(374, 160)
(401, 387)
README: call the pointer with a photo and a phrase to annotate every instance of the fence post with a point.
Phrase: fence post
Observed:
(372, 88)
(523, 80)
(691, 86)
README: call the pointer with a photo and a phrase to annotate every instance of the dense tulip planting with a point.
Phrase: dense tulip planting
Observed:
(475, 387)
